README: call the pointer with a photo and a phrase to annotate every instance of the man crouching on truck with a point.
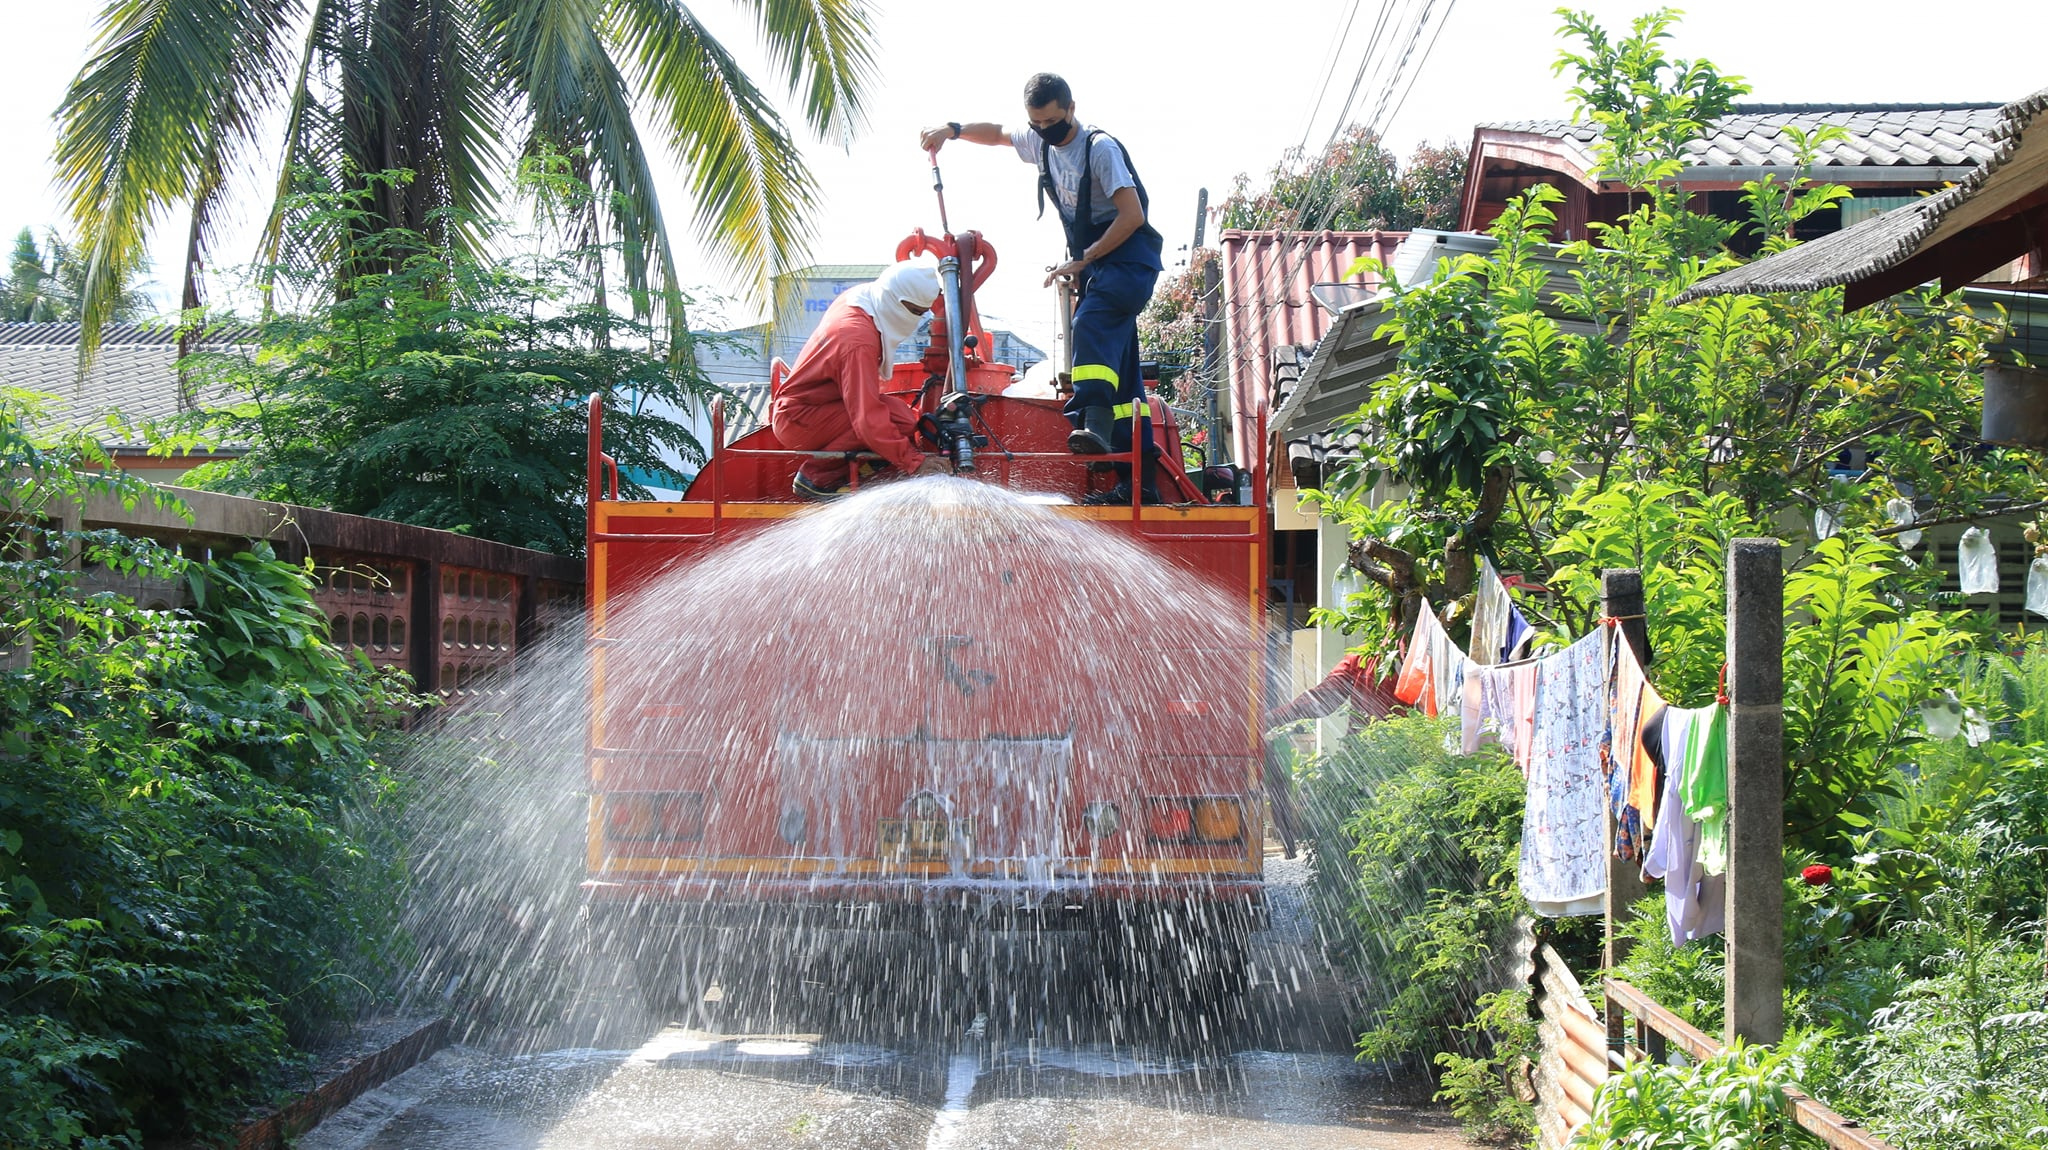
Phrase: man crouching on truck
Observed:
(832, 399)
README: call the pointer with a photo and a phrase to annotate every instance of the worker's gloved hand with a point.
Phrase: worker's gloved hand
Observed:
(932, 465)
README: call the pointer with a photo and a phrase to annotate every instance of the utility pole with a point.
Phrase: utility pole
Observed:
(1212, 452)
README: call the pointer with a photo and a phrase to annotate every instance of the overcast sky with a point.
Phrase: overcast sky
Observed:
(1199, 90)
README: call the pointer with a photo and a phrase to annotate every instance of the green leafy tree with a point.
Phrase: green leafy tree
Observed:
(173, 101)
(1172, 325)
(1562, 425)
(447, 392)
(1354, 184)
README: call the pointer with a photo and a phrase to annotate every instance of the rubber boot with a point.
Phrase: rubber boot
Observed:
(1092, 436)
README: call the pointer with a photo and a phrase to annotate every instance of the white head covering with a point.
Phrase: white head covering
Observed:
(883, 300)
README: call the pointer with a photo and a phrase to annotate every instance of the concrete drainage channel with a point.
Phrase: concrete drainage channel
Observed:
(380, 1053)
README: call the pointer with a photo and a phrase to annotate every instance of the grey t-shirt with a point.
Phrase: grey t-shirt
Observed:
(1106, 165)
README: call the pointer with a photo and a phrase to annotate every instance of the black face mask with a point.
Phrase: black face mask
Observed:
(1053, 133)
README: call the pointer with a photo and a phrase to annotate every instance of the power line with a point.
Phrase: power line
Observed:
(1329, 74)
(1420, 65)
(1397, 66)
(1364, 63)
(1380, 114)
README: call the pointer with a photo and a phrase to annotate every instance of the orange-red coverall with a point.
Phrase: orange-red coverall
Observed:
(832, 400)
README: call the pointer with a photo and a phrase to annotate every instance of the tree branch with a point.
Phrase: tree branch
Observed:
(1993, 513)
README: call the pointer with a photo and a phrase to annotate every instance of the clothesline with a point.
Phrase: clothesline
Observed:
(1596, 744)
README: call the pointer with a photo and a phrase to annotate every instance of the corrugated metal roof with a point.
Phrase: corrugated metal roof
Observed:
(2012, 172)
(1879, 135)
(1268, 305)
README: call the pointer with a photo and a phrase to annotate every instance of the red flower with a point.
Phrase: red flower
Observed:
(1818, 875)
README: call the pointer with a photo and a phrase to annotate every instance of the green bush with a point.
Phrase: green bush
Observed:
(1415, 851)
(188, 874)
(1480, 1089)
(1733, 1101)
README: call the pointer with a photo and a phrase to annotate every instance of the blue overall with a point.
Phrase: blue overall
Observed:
(1113, 290)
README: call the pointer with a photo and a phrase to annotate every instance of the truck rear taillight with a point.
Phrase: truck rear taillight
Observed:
(1194, 820)
(654, 818)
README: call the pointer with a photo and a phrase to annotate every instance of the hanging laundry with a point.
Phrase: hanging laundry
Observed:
(1694, 901)
(1507, 705)
(1415, 684)
(1646, 780)
(1636, 788)
(1519, 635)
(1620, 749)
(1977, 561)
(1706, 786)
(1564, 836)
(1491, 609)
(1447, 667)
(1472, 710)
(1433, 670)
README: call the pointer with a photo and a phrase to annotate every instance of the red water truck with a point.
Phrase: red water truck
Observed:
(1000, 804)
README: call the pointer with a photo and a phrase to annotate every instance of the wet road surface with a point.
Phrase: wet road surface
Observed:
(1057, 1072)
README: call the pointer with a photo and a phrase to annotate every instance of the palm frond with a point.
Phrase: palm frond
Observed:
(578, 103)
(826, 50)
(752, 191)
(169, 82)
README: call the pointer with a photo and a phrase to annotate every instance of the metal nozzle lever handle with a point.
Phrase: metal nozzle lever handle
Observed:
(954, 421)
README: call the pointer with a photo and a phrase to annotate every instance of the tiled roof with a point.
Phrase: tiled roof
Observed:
(2006, 178)
(112, 335)
(1268, 306)
(1880, 135)
(134, 373)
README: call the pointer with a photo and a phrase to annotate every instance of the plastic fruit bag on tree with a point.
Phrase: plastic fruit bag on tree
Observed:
(1900, 511)
(2037, 586)
(1978, 561)
(1943, 715)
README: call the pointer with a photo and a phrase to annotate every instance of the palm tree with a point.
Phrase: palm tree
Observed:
(177, 92)
(43, 282)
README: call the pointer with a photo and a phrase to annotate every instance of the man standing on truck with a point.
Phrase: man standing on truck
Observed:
(1113, 259)
(832, 400)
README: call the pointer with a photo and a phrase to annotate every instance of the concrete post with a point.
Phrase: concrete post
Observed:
(1756, 792)
(1621, 594)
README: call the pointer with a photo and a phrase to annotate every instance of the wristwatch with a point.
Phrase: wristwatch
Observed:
(955, 125)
